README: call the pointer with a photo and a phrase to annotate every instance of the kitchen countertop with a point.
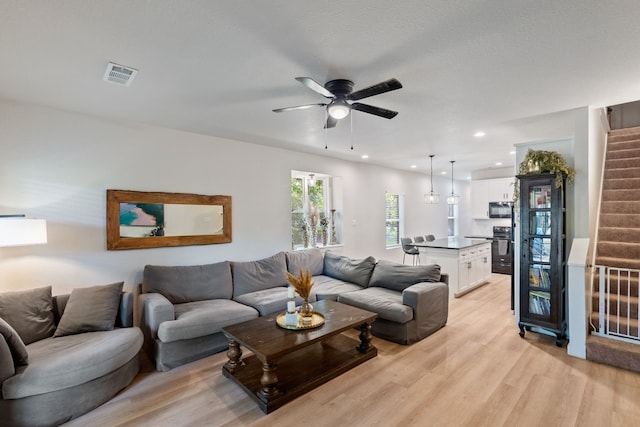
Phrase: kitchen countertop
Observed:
(479, 237)
(452, 243)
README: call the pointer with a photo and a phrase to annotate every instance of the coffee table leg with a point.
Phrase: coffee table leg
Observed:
(365, 338)
(234, 354)
(269, 381)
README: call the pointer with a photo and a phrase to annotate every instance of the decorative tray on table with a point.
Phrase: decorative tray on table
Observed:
(317, 319)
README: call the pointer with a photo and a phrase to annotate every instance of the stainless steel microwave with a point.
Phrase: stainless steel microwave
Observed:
(500, 209)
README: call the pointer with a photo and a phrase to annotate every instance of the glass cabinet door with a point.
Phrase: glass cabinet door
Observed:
(542, 255)
(539, 250)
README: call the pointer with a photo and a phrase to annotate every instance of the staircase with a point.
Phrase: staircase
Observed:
(618, 246)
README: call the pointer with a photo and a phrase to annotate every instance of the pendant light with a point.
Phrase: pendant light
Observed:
(431, 197)
(452, 198)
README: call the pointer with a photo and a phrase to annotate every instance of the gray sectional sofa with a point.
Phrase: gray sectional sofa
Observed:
(62, 356)
(182, 309)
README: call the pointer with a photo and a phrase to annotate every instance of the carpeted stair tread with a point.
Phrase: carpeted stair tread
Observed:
(624, 143)
(625, 153)
(621, 183)
(618, 325)
(622, 173)
(614, 353)
(619, 220)
(633, 264)
(626, 287)
(619, 234)
(630, 162)
(618, 133)
(625, 207)
(623, 304)
(621, 195)
(624, 250)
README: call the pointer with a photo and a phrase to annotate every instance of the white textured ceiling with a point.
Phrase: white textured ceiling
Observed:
(511, 68)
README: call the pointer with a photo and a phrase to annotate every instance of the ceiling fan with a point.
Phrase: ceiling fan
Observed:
(339, 91)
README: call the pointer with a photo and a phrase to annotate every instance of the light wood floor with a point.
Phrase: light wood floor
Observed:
(476, 371)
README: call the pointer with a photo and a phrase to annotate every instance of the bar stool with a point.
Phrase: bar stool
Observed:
(409, 249)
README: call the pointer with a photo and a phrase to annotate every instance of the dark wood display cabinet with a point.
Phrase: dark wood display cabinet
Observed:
(542, 256)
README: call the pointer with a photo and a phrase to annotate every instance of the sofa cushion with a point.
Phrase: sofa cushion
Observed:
(310, 259)
(180, 284)
(258, 275)
(398, 277)
(356, 271)
(268, 301)
(59, 363)
(325, 287)
(29, 312)
(90, 309)
(16, 346)
(385, 302)
(201, 318)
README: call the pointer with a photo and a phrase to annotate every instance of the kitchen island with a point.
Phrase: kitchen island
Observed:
(466, 261)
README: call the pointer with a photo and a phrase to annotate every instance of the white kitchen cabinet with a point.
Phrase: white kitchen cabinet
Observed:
(480, 199)
(467, 262)
(500, 190)
(484, 191)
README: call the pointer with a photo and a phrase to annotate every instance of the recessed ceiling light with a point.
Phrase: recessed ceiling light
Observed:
(413, 166)
(365, 156)
(479, 134)
(512, 152)
(443, 172)
(498, 163)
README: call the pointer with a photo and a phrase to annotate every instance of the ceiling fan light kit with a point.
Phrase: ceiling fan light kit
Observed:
(340, 92)
(338, 109)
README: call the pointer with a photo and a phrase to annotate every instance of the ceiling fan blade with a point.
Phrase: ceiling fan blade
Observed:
(315, 86)
(299, 107)
(382, 112)
(386, 86)
(331, 123)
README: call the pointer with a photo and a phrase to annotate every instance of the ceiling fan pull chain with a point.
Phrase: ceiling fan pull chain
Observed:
(326, 117)
(351, 121)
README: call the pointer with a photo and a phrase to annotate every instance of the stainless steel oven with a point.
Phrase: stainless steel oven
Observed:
(501, 250)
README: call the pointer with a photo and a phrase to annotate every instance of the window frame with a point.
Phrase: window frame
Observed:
(399, 220)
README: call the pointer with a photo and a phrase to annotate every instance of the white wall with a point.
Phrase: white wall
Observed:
(57, 165)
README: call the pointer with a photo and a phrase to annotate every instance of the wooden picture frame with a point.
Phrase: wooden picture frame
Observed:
(157, 237)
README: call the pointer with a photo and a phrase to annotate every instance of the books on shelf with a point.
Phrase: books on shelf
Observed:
(540, 303)
(539, 277)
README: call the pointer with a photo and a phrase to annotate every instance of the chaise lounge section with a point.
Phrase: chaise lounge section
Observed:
(67, 364)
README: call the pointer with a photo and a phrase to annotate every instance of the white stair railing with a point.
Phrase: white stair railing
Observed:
(617, 326)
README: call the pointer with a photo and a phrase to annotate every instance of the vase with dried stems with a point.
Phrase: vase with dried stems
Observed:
(303, 285)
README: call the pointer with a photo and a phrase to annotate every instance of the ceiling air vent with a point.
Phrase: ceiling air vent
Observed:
(119, 74)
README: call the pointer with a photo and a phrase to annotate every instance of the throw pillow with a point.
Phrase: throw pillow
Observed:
(29, 312)
(90, 309)
(398, 277)
(266, 273)
(356, 271)
(16, 346)
(180, 284)
(306, 259)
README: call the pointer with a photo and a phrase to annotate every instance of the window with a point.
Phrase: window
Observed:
(452, 221)
(314, 217)
(394, 213)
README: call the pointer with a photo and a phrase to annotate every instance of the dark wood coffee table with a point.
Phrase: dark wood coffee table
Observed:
(288, 363)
